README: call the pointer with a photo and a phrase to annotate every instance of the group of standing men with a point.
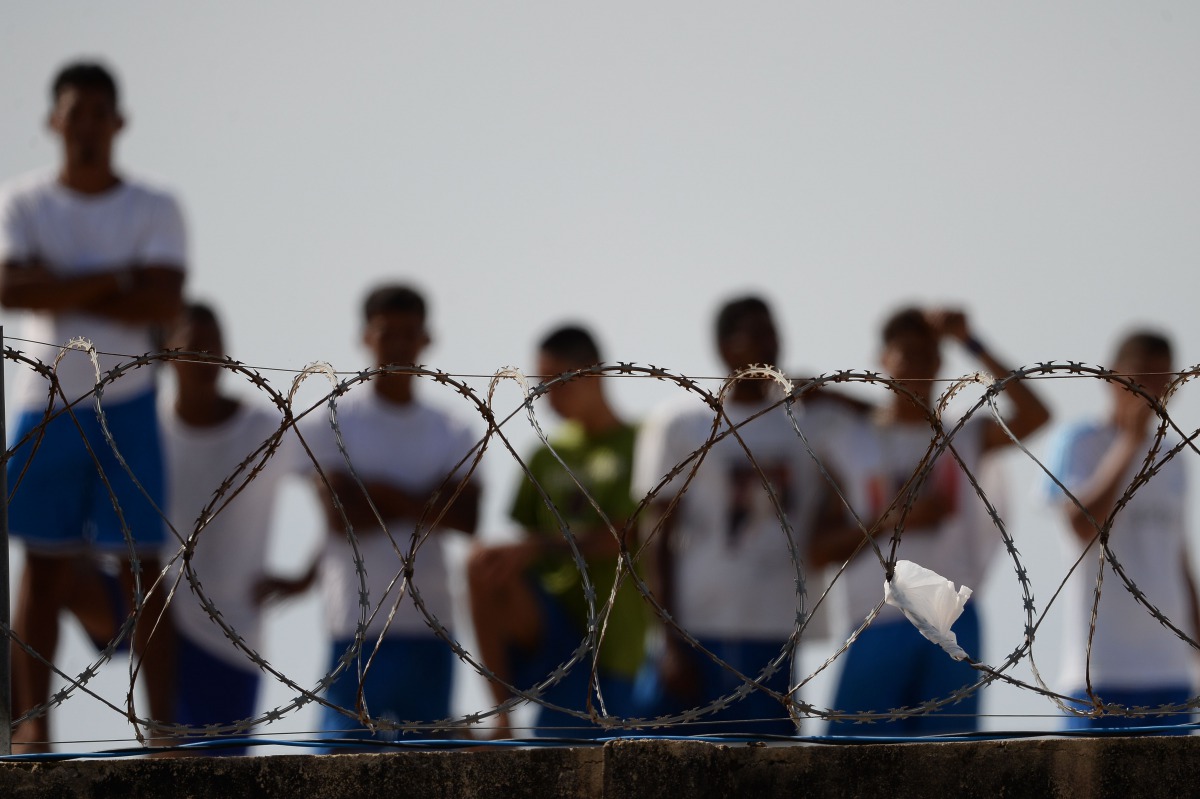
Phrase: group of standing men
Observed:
(748, 499)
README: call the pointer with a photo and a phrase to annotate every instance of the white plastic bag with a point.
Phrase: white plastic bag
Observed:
(930, 602)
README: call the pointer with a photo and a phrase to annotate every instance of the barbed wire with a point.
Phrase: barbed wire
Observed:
(296, 418)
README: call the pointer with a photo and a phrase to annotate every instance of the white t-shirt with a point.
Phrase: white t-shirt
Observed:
(231, 549)
(735, 575)
(413, 446)
(957, 548)
(76, 234)
(1131, 650)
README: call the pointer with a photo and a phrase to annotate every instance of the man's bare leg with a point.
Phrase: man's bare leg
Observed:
(505, 614)
(92, 603)
(45, 588)
(153, 640)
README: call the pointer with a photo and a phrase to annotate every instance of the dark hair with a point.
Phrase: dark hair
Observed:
(190, 315)
(199, 312)
(910, 319)
(573, 344)
(734, 312)
(84, 75)
(1144, 343)
(393, 298)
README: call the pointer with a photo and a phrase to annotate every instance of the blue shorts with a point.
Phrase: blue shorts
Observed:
(410, 680)
(208, 690)
(757, 713)
(891, 665)
(561, 636)
(60, 504)
(1146, 697)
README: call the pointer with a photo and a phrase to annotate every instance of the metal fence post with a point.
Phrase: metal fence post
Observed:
(5, 614)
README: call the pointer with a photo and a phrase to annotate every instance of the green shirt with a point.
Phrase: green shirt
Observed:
(602, 464)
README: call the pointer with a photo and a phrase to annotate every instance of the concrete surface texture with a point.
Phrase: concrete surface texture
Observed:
(1105, 767)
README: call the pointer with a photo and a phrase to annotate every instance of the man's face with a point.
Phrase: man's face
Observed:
(1153, 372)
(87, 121)
(563, 397)
(754, 341)
(396, 337)
(913, 358)
(197, 335)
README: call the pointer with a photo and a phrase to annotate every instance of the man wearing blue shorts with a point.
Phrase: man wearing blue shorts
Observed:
(90, 253)
(208, 434)
(527, 596)
(406, 454)
(1130, 660)
(891, 665)
(733, 534)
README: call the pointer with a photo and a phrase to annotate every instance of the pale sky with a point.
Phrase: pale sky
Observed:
(631, 164)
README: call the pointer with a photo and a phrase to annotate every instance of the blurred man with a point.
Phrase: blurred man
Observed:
(1132, 660)
(409, 457)
(92, 253)
(527, 597)
(208, 434)
(731, 554)
(891, 665)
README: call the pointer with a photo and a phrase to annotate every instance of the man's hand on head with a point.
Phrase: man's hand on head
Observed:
(949, 323)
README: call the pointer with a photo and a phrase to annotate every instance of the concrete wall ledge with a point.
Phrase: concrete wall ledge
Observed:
(646, 769)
